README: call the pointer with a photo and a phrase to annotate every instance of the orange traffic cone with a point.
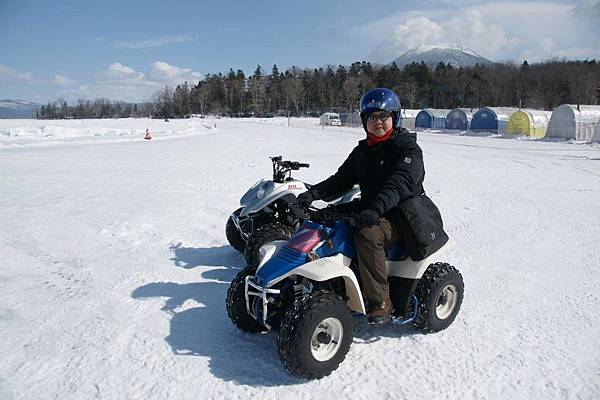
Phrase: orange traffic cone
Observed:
(148, 135)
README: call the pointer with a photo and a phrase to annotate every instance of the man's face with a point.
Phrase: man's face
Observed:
(379, 122)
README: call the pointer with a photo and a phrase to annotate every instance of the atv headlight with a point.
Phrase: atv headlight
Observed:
(264, 189)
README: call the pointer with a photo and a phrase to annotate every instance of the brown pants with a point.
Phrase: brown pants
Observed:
(370, 246)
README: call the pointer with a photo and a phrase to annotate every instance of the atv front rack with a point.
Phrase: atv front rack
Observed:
(261, 292)
(237, 221)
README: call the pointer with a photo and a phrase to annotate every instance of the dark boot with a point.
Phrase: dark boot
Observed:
(381, 313)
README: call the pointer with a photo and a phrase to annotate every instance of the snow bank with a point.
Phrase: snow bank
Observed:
(27, 132)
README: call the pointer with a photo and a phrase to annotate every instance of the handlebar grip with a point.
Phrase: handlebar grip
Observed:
(303, 165)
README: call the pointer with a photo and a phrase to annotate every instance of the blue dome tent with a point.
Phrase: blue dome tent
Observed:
(429, 118)
(492, 119)
(460, 118)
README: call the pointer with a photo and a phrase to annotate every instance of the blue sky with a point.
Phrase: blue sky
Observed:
(129, 49)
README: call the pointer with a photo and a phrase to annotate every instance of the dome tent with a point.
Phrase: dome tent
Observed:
(408, 117)
(576, 122)
(532, 123)
(351, 119)
(492, 119)
(430, 118)
(460, 118)
(596, 138)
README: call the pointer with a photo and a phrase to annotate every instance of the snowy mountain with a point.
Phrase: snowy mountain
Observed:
(457, 56)
(18, 109)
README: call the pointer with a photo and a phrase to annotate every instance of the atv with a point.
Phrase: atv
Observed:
(266, 211)
(307, 289)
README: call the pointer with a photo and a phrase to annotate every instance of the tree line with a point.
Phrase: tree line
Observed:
(310, 92)
(99, 108)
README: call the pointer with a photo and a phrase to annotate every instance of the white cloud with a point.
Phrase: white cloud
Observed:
(156, 42)
(172, 75)
(61, 80)
(120, 72)
(7, 73)
(535, 30)
(548, 45)
(120, 82)
(588, 9)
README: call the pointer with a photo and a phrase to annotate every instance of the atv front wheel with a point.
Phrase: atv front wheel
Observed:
(263, 235)
(440, 294)
(234, 237)
(236, 303)
(315, 335)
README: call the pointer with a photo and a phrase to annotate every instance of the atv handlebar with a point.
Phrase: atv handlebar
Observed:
(295, 165)
(282, 167)
(324, 215)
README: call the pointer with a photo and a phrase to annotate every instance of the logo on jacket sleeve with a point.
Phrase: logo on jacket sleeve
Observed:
(407, 160)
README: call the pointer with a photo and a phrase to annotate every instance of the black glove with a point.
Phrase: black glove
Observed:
(305, 199)
(348, 208)
(367, 218)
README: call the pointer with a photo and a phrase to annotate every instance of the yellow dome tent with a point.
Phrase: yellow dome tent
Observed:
(532, 123)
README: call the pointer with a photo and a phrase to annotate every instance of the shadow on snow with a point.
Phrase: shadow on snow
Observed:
(222, 256)
(205, 330)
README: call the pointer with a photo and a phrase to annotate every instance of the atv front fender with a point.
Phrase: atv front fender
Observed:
(287, 192)
(324, 269)
(268, 250)
(320, 270)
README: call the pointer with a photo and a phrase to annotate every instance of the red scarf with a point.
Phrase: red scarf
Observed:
(374, 139)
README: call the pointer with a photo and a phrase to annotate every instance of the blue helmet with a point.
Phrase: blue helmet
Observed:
(380, 99)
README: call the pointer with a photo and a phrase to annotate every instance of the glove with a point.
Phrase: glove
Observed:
(305, 199)
(367, 218)
(348, 208)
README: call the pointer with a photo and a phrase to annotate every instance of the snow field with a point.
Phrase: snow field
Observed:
(115, 266)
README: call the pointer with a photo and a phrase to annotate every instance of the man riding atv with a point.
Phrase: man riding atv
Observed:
(388, 166)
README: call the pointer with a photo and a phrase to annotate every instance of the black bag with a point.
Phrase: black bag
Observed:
(420, 223)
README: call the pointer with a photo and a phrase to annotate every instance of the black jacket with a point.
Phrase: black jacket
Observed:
(387, 173)
(390, 176)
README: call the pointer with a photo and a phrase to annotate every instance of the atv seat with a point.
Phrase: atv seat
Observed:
(396, 251)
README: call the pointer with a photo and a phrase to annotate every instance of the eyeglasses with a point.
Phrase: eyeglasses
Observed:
(383, 116)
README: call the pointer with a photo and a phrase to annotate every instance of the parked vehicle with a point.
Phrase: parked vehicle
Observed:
(267, 212)
(332, 119)
(307, 289)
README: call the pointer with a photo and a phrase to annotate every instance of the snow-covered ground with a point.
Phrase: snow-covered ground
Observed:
(114, 266)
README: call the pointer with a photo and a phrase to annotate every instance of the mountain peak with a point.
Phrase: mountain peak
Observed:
(457, 56)
(10, 108)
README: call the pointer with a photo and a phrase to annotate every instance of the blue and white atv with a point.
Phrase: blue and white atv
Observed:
(307, 289)
(266, 211)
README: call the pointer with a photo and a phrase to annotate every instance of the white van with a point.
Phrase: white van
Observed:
(330, 119)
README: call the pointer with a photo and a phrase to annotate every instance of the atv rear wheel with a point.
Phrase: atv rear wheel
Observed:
(234, 237)
(236, 303)
(315, 335)
(440, 293)
(263, 235)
